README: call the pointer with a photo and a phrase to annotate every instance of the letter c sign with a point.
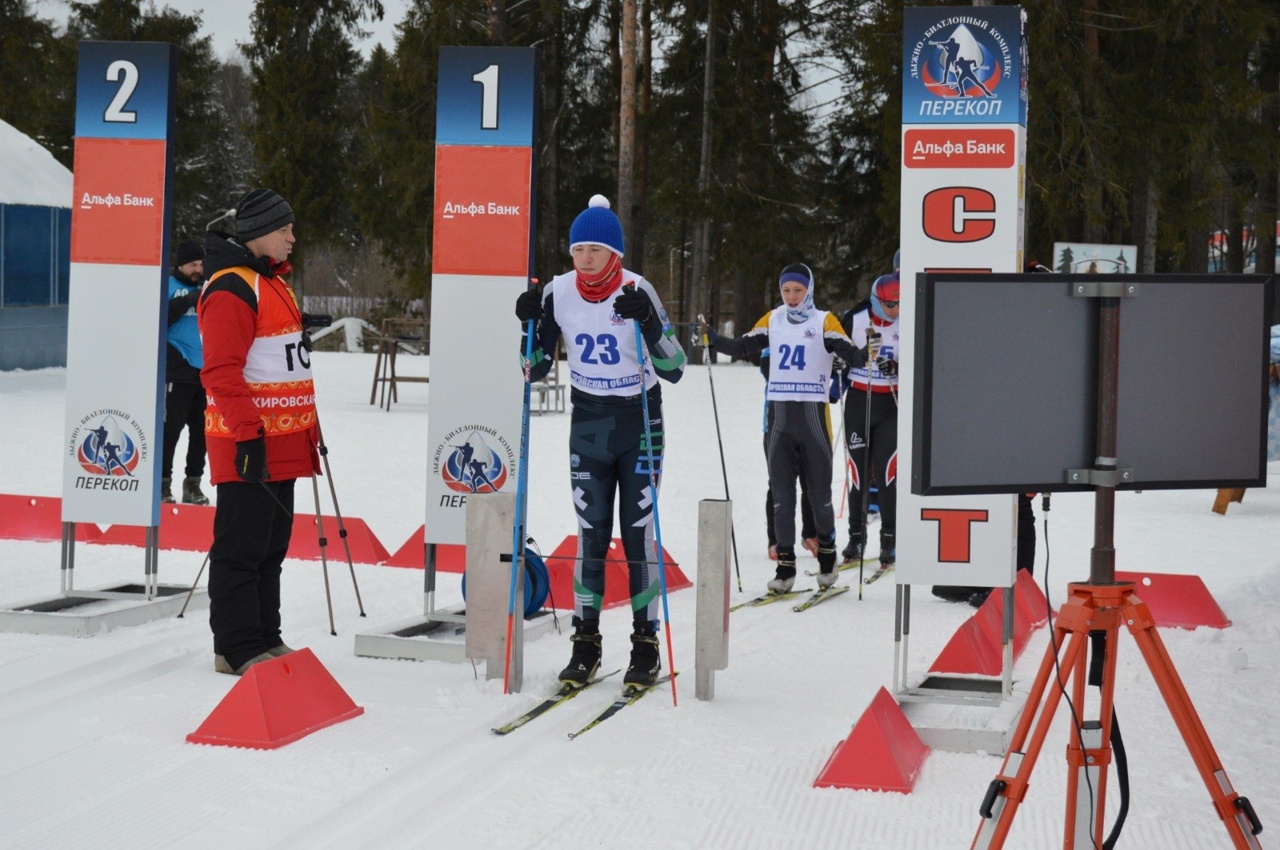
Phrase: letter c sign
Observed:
(959, 214)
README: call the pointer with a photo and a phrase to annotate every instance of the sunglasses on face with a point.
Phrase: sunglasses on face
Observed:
(889, 304)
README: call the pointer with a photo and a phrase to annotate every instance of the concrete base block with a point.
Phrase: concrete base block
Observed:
(964, 714)
(440, 636)
(81, 613)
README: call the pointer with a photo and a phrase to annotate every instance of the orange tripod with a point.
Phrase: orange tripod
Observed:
(1092, 615)
(1090, 610)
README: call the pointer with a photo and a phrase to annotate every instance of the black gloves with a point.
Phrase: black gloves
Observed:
(529, 305)
(634, 304)
(251, 459)
(887, 366)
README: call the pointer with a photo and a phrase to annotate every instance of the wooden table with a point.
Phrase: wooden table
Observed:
(396, 334)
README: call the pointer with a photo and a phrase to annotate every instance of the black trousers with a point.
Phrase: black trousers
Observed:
(798, 445)
(251, 530)
(883, 461)
(807, 529)
(609, 462)
(184, 408)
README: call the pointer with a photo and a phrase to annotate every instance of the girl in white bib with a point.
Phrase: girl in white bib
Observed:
(802, 343)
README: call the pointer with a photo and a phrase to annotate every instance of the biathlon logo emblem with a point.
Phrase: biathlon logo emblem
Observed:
(470, 464)
(102, 446)
(961, 65)
(963, 56)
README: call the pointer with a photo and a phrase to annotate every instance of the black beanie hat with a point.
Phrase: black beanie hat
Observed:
(260, 212)
(189, 250)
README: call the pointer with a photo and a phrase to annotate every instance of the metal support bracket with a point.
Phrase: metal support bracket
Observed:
(1103, 289)
(1101, 477)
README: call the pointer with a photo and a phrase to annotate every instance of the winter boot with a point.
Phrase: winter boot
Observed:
(222, 665)
(888, 549)
(786, 573)
(853, 550)
(827, 563)
(191, 494)
(586, 654)
(955, 592)
(166, 489)
(646, 663)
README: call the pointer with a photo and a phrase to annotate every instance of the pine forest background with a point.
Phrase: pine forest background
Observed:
(776, 140)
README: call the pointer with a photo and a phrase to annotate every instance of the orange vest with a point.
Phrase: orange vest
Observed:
(277, 368)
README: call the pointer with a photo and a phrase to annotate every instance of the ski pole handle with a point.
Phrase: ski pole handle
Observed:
(702, 337)
(873, 347)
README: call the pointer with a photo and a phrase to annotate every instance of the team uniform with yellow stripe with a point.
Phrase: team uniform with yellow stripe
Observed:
(798, 433)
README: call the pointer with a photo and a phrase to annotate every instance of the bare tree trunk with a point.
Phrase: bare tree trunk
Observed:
(497, 22)
(627, 116)
(1150, 221)
(641, 205)
(1268, 188)
(1093, 224)
(548, 155)
(702, 234)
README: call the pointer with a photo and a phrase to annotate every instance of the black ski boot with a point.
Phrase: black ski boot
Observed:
(191, 493)
(853, 550)
(166, 489)
(888, 549)
(645, 661)
(786, 572)
(827, 562)
(586, 654)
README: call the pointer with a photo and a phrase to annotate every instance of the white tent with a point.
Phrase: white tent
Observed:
(35, 223)
(31, 176)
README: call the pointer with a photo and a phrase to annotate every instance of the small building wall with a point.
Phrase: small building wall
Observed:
(33, 337)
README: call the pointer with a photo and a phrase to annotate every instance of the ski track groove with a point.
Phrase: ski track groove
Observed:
(418, 800)
(96, 679)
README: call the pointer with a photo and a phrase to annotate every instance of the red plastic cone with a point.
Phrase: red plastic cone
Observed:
(186, 527)
(305, 542)
(1031, 599)
(882, 753)
(560, 564)
(275, 703)
(450, 557)
(37, 518)
(1179, 601)
(970, 650)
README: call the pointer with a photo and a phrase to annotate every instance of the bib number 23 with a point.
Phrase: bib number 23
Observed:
(601, 349)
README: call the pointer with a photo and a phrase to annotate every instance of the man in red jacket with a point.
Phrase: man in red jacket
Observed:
(260, 424)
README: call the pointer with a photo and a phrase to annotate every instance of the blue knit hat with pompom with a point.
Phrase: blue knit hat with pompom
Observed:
(597, 225)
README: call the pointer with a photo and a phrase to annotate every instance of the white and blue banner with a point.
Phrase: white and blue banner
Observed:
(481, 256)
(119, 267)
(964, 114)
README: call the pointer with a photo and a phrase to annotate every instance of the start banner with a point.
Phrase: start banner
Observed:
(116, 316)
(964, 114)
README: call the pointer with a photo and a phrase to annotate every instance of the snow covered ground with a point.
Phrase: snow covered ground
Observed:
(92, 749)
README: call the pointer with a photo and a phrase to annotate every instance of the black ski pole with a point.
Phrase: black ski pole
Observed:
(190, 592)
(873, 338)
(724, 472)
(324, 560)
(337, 512)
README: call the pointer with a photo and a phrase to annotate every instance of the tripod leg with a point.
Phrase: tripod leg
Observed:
(1008, 789)
(190, 592)
(324, 561)
(1236, 812)
(1089, 749)
(342, 528)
